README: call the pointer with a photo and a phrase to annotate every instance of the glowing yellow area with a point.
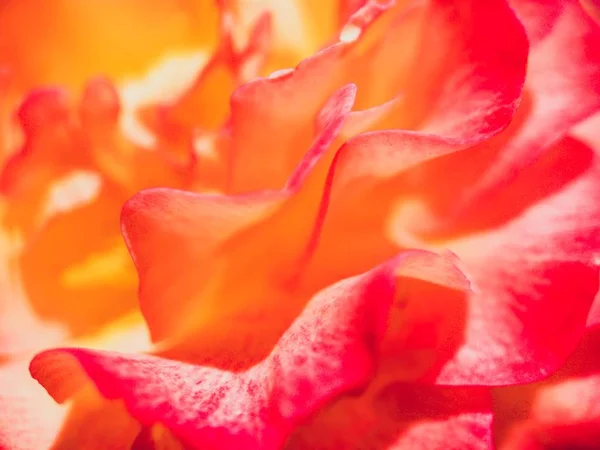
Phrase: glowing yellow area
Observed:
(112, 267)
(128, 333)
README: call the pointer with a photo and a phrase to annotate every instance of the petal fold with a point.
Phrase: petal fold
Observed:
(329, 351)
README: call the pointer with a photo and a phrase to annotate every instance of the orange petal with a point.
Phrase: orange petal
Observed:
(300, 28)
(21, 329)
(67, 42)
(205, 104)
(170, 231)
(282, 138)
(75, 170)
(96, 424)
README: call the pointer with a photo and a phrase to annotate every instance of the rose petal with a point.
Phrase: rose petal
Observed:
(199, 229)
(593, 8)
(465, 78)
(96, 424)
(117, 38)
(369, 166)
(331, 349)
(50, 151)
(300, 28)
(75, 170)
(29, 421)
(560, 412)
(21, 329)
(261, 101)
(477, 82)
(523, 270)
(402, 416)
(562, 88)
(535, 279)
(205, 104)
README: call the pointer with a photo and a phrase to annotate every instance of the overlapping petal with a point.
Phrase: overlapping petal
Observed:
(477, 80)
(75, 168)
(170, 231)
(560, 412)
(331, 349)
(458, 140)
(403, 416)
(538, 311)
(561, 90)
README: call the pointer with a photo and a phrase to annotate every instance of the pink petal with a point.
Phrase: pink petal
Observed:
(535, 279)
(453, 75)
(465, 77)
(562, 88)
(560, 412)
(402, 416)
(330, 350)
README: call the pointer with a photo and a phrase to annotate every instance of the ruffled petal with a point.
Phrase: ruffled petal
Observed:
(370, 168)
(562, 89)
(330, 350)
(205, 104)
(168, 232)
(535, 280)
(473, 84)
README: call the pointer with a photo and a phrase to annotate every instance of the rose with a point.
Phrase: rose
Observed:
(303, 370)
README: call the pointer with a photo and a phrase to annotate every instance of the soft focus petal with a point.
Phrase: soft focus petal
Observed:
(300, 28)
(21, 329)
(74, 170)
(331, 349)
(29, 419)
(67, 41)
(96, 424)
(204, 105)
(592, 7)
(29, 422)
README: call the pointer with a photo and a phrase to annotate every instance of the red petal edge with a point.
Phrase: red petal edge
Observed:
(331, 349)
